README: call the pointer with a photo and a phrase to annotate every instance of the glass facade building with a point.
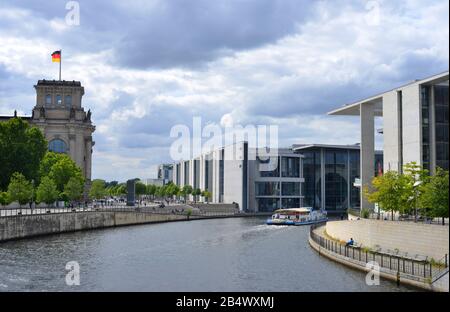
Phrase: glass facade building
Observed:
(330, 173)
(278, 182)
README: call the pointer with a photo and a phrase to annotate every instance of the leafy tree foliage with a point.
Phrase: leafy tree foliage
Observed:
(21, 150)
(98, 190)
(47, 191)
(20, 189)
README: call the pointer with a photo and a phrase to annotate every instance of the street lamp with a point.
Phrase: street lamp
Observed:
(416, 191)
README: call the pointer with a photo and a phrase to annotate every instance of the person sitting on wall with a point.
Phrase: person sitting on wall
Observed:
(350, 242)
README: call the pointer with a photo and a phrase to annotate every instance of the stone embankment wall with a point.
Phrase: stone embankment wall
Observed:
(40, 224)
(430, 240)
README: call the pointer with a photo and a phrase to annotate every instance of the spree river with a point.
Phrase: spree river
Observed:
(236, 254)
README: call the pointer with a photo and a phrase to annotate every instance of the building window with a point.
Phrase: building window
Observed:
(48, 99)
(58, 99)
(290, 189)
(68, 100)
(312, 174)
(57, 146)
(425, 101)
(290, 167)
(336, 180)
(441, 125)
(267, 188)
(267, 204)
(269, 168)
(186, 173)
(290, 203)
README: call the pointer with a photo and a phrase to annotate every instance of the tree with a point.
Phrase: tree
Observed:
(19, 189)
(151, 190)
(21, 150)
(4, 198)
(64, 169)
(140, 188)
(187, 190)
(391, 192)
(196, 192)
(97, 189)
(46, 191)
(417, 177)
(74, 188)
(207, 195)
(434, 195)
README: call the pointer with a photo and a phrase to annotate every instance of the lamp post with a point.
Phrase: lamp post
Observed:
(32, 195)
(416, 192)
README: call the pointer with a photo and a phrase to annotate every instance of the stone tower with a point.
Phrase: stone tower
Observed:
(66, 126)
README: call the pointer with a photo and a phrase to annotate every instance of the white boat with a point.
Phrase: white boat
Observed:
(297, 216)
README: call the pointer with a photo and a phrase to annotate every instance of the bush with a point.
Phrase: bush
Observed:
(365, 213)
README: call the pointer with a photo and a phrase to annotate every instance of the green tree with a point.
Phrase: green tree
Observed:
(151, 190)
(97, 189)
(64, 169)
(121, 189)
(74, 188)
(391, 192)
(434, 195)
(196, 192)
(207, 195)
(46, 191)
(4, 198)
(416, 178)
(20, 189)
(21, 150)
(187, 190)
(140, 188)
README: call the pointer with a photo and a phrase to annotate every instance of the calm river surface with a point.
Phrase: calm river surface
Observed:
(237, 254)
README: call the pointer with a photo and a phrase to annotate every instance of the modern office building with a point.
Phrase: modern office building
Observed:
(61, 117)
(165, 173)
(239, 174)
(415, 126)
(157, 182)
(331, 173)
(318, 176)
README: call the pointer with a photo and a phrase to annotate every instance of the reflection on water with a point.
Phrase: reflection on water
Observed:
(238, 254)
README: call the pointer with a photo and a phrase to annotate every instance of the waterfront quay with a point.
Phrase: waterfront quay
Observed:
(413, 260)
(23, 223)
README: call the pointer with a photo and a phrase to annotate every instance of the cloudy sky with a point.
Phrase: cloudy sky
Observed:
(149, 65)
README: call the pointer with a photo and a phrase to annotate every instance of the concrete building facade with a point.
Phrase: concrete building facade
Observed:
(415, 126)
(165, 173)
(237, 174)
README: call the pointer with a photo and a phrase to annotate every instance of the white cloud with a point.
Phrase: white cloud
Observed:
(292, 81)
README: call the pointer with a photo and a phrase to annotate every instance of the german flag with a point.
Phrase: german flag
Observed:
(56, 57)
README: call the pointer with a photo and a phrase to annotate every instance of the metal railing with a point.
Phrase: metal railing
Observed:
(154, 209)
(387, 216)
(419, 268)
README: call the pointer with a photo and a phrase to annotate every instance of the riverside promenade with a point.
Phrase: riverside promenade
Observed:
(420, 258)
(24, 223)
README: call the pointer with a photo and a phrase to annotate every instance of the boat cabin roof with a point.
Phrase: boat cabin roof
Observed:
(293, 210)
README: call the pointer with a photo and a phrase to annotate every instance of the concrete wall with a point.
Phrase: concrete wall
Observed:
(27, 226)
(414, 238)
(391, 132)
(412, 131)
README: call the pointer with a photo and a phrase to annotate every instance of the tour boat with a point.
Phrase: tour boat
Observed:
(297, 216)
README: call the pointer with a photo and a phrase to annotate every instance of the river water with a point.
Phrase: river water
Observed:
(236, 254)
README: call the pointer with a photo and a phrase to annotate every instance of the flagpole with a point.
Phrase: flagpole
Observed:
(60, 61)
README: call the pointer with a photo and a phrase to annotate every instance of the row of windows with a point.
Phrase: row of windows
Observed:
(271, 204)
(58, 100)
(290, 167)
(273, 188)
